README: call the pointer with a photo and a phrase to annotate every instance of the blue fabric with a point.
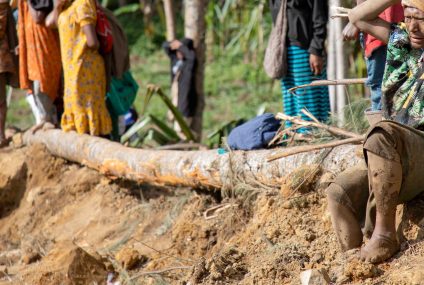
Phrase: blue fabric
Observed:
(314, 99)
(254, 134)
(375, 70)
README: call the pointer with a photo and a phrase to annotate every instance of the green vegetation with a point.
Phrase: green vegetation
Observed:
(235, 83)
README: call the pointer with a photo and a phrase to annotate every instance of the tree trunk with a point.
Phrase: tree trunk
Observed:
(170, 19)
(205, 169)
(195, 29)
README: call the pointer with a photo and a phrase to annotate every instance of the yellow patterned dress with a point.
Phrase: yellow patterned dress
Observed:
(85, 108)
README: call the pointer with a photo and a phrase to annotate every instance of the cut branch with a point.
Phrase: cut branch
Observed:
(328, 83)
(308, 148)
(315, 123)
(161, 271)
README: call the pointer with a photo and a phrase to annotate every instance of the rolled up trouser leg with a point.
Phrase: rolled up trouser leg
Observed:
(350, 190)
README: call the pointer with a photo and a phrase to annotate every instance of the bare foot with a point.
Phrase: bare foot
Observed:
(379, 248)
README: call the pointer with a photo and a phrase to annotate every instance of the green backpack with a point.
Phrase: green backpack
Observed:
(122, 94)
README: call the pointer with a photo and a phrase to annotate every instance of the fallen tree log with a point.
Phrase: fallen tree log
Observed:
(206, 169)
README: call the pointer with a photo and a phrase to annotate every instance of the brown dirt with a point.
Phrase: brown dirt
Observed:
(66, 224)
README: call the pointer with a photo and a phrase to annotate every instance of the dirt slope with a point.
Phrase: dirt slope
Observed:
(65, 224)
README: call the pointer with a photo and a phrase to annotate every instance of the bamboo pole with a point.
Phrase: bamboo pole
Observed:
(207, 169)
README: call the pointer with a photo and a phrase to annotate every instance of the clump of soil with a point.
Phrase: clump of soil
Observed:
(64, 221)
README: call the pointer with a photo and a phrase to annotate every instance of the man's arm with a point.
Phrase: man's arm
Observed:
(319, 27)
(351, 32)
(38, 16)
(365, 17)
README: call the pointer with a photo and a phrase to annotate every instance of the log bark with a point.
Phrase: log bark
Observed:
(199, 169)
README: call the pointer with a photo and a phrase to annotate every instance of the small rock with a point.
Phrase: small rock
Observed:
(356, 269)
(315, 277)
(130, 258)
(317, 258)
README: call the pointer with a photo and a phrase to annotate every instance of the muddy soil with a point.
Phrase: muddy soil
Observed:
(61, 223)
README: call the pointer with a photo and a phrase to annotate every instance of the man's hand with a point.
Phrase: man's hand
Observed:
(316, 63)
(350, 32)
(175, 44)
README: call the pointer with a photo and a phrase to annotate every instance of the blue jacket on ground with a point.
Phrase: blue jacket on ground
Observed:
(254, 134)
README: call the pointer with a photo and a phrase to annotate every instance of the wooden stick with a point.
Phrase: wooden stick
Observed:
(334, 16)
(330, 129)
(329, 83)
(308, 148)
(160, 271)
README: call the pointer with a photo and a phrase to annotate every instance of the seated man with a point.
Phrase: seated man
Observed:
(363, 200)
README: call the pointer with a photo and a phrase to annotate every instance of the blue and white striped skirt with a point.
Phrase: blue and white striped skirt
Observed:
(315, 99)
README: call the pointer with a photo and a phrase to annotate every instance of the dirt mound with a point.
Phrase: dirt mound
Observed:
(61, 222)
(67, 264)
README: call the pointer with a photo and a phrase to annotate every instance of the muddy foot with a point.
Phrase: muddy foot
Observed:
(379, 249)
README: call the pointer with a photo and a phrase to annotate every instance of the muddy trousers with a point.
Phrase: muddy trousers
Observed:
(394, 143)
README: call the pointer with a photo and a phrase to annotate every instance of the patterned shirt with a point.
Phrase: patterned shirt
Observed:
(403, 94)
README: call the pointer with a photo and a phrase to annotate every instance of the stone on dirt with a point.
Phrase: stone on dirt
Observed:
(71, 265)
(315, 277)
(130, 258)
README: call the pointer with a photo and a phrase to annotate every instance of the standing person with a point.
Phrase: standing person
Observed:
(306, 34)
(40, 64)
(375, 52)
(183, 87)
(85, 108)
(8, 72)
(362, 200)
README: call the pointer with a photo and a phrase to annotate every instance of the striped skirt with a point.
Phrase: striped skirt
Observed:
(315, 99)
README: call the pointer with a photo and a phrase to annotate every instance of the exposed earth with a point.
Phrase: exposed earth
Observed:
(62, 223)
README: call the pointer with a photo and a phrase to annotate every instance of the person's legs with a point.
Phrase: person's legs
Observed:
(385, 178)
(289, 100)
(345, 224)
(44, 104)
(375, 69)
(347, 198)
(3, 110)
